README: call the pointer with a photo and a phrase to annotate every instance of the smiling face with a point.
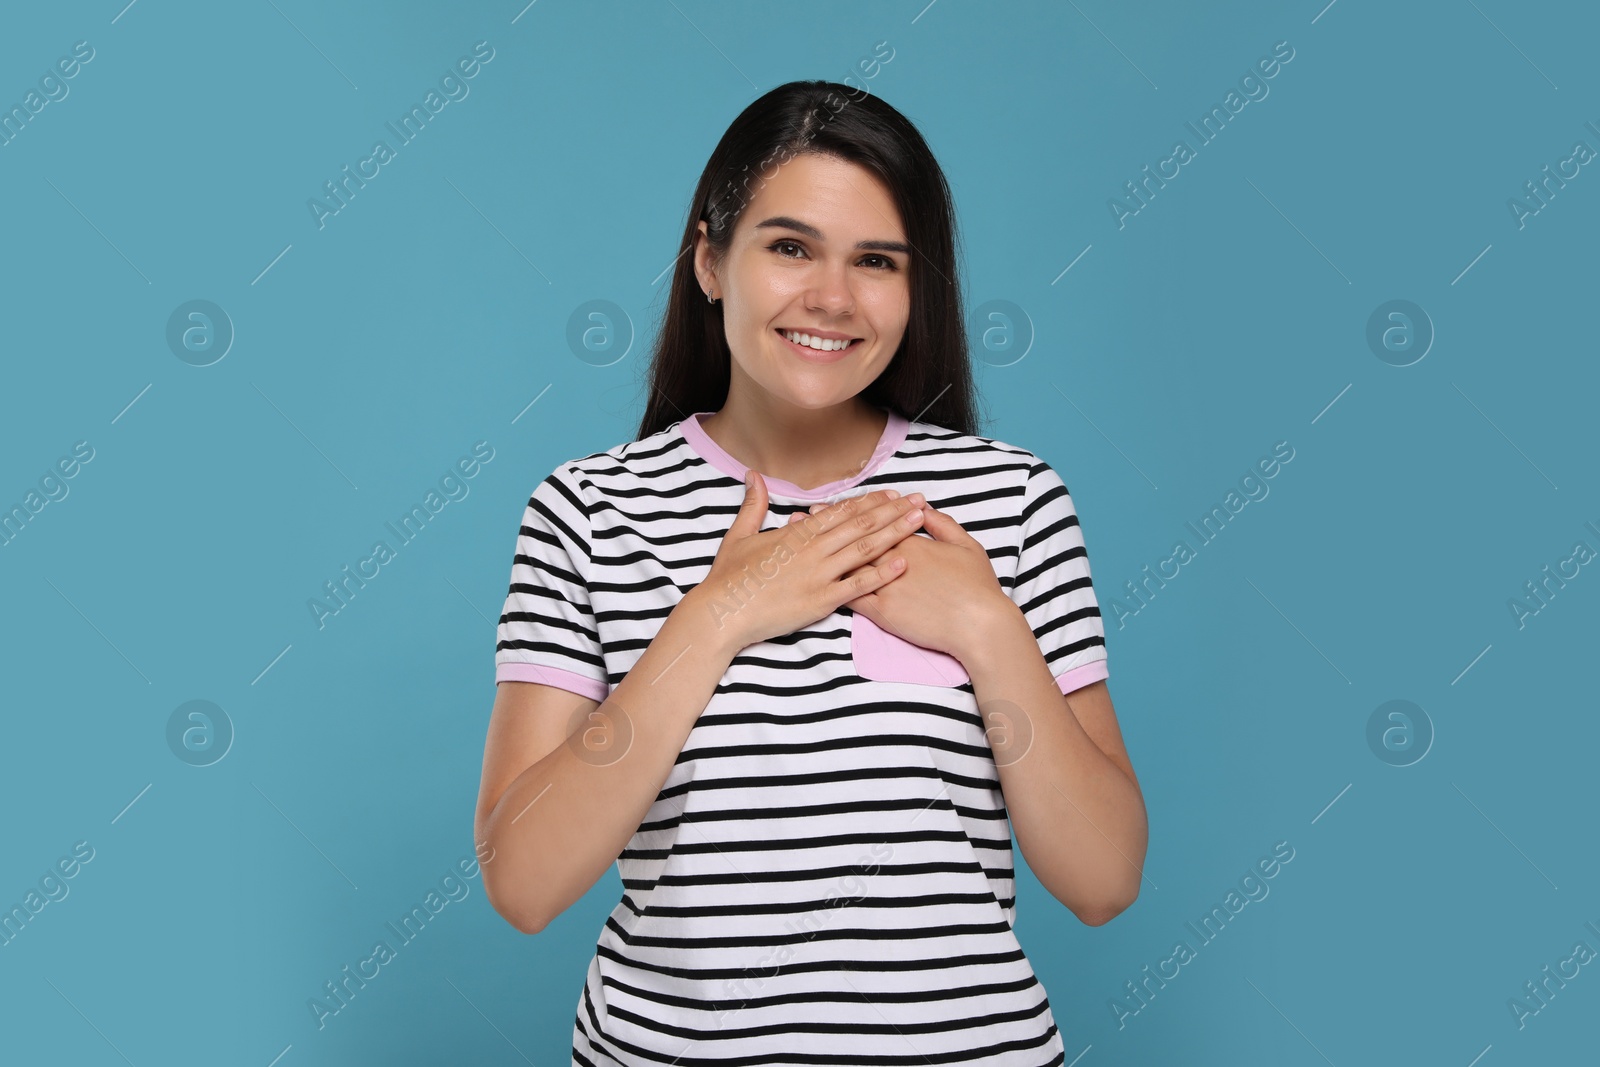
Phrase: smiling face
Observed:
(819, 251)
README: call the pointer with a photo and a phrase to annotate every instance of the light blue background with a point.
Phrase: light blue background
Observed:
(1227, 315)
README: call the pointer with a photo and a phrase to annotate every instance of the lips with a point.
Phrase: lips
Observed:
(815, 355)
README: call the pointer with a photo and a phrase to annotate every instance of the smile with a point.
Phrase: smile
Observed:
(819, 355)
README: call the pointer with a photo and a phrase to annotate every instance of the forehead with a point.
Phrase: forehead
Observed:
(835, 199)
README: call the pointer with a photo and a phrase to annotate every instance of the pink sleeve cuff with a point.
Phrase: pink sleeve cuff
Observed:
(581, 684)
(1078, 677)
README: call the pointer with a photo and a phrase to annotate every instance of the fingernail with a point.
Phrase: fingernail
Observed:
(892, 494)
(917, 498)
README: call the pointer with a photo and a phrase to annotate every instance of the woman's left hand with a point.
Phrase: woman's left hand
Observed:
(945, 594)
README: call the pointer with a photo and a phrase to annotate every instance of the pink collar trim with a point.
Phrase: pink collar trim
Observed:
(894, 435)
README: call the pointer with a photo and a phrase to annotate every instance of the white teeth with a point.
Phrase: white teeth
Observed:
(820, 344)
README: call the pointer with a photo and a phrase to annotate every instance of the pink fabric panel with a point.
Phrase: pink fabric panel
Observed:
(532, 672)
(881, 656)
(1079, 677)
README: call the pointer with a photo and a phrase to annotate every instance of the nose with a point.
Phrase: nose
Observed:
(830, 292)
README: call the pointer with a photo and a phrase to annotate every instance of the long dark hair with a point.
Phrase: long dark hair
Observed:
(930, 376)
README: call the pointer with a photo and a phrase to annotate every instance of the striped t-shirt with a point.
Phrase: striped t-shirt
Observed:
(826, 875)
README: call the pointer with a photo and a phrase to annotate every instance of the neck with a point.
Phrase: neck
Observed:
(806, 447)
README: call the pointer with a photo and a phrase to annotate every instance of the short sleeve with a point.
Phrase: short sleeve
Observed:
(547, 631)
(1052, 585)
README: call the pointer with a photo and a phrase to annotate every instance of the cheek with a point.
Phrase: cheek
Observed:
(748, 336)
(889, 339)
(889, 310)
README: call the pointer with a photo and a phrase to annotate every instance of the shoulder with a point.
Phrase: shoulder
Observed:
(622, 468)
(931, 445)
(929, 437)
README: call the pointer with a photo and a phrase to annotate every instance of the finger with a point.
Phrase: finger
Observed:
(754, 508)
(942, 527)
(872, 499)
(850, 518)
(886, 567)
(873, 550)
(866, 581)
(863, 569)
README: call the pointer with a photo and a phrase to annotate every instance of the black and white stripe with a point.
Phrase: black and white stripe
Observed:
(826, 875)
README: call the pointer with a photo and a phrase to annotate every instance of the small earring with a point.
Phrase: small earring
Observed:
(710, 299)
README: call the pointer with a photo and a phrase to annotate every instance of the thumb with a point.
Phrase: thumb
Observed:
(942, 527)
(754, 509)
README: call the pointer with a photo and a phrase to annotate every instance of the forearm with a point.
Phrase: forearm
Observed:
(566, 818)
(1079, 817)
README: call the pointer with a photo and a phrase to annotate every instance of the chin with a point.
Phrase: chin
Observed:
(811, 399)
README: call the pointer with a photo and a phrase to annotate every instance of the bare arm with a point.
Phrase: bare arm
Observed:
(567, 780)
(1069, 785)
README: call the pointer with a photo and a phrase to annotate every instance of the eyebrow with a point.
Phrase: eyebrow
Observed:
(785, 222)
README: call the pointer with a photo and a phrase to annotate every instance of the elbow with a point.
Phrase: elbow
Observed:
(1097, 916)
(520, 919)
(512, 911)
(525, 926)
(1101, 912)
(522, 922)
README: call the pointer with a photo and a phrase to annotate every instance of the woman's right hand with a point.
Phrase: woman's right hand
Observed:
(767, 583)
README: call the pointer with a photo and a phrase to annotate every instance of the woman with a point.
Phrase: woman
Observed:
(743, 656)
